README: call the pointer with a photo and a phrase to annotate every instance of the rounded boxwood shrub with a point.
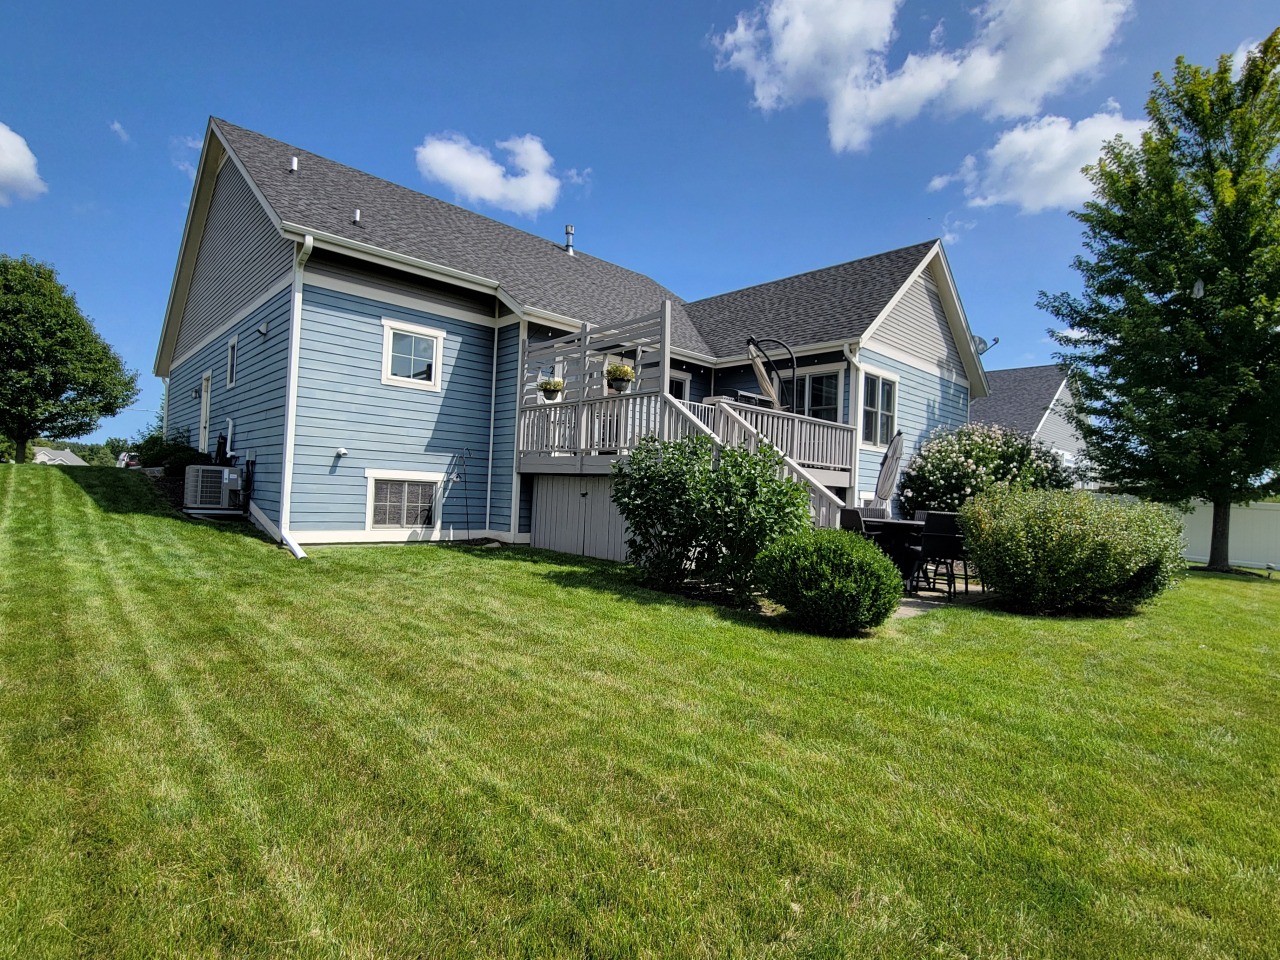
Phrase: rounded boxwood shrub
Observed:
(1051, 551)
(830, 581)
(955, 465)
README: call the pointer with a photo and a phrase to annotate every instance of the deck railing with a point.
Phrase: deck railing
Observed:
(734, 429)
(817, 444)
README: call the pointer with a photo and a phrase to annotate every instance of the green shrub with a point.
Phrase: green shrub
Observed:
(693, 514)
(180, 457)
(830, 581)
(1049, 551)
(955, 465)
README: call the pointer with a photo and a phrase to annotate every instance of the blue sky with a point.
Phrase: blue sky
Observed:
(710, 145)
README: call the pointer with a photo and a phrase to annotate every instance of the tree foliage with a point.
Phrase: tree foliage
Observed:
(60, 376)
(1174, 346)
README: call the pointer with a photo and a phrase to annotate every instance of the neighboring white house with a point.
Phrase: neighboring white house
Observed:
(1032, 400)
(62, 458)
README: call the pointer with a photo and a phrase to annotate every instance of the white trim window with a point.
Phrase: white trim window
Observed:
(680, 385)
(231, 361)
(821, 392)
(412, 356)
(879, 409)
(403, 500)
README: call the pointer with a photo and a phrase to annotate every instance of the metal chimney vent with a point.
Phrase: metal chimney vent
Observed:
(568, 238)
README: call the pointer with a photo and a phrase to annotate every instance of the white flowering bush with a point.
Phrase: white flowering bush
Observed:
(955, 465)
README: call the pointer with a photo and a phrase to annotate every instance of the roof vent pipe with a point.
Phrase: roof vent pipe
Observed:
(293, 164)
(568, 238)
(356, 218)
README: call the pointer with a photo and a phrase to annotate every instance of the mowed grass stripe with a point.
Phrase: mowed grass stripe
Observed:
(440, 752)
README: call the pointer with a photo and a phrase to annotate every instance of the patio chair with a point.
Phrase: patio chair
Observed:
(941, 547)
(851, 519)
(875, 513)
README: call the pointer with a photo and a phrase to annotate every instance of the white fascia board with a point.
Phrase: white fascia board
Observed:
(805, 350)
(367, 251)
(270, 210)
(192, 230)
(554, 319)
(701, 359)
(1049, 409)
(950, 296)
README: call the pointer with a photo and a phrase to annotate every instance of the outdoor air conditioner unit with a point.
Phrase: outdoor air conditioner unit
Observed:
(212, 488)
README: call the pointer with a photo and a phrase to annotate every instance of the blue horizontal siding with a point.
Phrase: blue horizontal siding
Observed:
(926, 402)
(342, 402)
(256, 404)
(504, 426)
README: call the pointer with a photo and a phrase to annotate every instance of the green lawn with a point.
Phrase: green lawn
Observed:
(211, 749)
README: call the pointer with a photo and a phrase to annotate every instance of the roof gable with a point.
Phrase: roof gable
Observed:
(321, 196)
(822, 306)
(1019, 397)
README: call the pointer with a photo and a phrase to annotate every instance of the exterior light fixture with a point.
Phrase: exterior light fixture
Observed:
(195, 393)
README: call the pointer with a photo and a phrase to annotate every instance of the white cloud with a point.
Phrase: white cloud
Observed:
(1037, 165)
(1241, 53)
(526, 185)
(118, 129)
(836, 51)
(954, 229)
(180, 154)
(18, 175)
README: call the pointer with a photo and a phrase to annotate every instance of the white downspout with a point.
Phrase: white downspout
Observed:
(855, 412)
(291, 396)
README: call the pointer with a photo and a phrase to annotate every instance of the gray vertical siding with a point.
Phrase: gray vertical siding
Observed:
(342, 402)
(256, 403)
(926, 402)
(917, 324)
(504, 425)
(241, 255)
(577, 515)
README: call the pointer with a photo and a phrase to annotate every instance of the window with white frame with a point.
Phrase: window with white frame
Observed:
(231, 362)
(411, 355)
(879, 410)
(680, 385)
(819, 394)
(404, 503)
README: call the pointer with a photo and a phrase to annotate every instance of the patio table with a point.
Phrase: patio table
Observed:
(896, 539)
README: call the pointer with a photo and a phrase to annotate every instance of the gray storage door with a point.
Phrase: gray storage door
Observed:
(576, 515)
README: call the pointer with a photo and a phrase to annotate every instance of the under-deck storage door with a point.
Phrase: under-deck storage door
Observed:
(576, 515)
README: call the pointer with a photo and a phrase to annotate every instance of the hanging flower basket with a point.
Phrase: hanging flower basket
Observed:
(619, 375)
(551, 387)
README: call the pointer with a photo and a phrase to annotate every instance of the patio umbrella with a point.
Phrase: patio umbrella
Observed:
(762, 376)
(888, 478)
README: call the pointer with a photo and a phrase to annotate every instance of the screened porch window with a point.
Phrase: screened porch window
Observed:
(819, 395)
(403, 503)
(879, 410)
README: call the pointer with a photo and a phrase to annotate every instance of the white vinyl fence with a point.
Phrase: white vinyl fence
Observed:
(1255, 534)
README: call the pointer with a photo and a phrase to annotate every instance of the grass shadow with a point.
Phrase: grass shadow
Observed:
(118, 491)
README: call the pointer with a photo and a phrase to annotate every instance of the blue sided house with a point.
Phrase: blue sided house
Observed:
(397, 368)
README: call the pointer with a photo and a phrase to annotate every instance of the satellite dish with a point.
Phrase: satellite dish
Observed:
(980, 344)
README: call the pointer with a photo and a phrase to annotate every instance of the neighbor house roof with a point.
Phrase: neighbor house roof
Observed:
(1019, 397)
(821, 306)
(64, 457)
(322, 196)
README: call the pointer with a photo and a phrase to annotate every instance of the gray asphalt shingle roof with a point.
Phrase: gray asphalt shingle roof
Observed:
(835, 303)
(536, 272)
(1019, 397)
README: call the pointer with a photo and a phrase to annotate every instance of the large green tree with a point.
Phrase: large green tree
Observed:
(1174, 345)
(58, 378)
